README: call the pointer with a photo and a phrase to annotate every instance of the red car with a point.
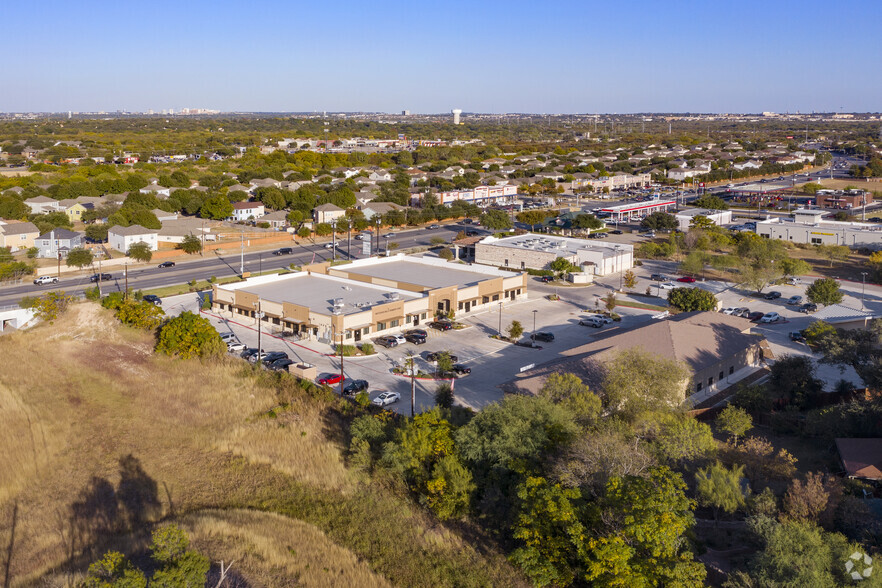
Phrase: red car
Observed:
(687, 279)
(331, 379)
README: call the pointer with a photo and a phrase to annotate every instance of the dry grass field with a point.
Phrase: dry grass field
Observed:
(102, 439)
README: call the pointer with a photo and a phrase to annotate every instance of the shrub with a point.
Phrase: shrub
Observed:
(92, 293)
(367, 348)
(689, 299)
(189, 335)
(345, 350)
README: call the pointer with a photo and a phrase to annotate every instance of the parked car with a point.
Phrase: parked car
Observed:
(353, 387)
(386, 398)
(267, 356)
(280, 365)
(658, 278)
(416, 336)
(228, 336)
(794, 281)
(667, 286)
(441, 325)
(591, 322)
(797, 336)
(166, 264)
(284, 251)
(771, 317)
(543, 336)
(546, 279)
(248, 352)
(432, 227)
(330, 379)
(359, 237)
(101, 277)
(686, 279)
(234, 346)
(433, 356)
(755, 316)
(729, 310)
(616, 232)
(743, 312)
(46, 280)
(152, 299)
(601, 317)
(808, 307)
(386, 341)
(461, 370)
(773, 295)
(793, 300)
(472, 233)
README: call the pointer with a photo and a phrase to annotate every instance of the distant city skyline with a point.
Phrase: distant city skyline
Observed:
(487, 57)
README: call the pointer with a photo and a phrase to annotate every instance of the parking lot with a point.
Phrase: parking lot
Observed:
(495, 362)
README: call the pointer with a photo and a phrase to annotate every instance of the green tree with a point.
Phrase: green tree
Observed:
(824, 291)
(629, 279)
(323, 229)
(216, 207)
(637, 382)
(191, 244)
(758, 276)
(676, 438)
(812, 188)
(97, 232)
(179, 567)
(609, 301)
(794, 267)
(817, 332)
(561, 265)
(114, 571)
(304, 232)
(792, 377)
(693, 263)
(702, 222)
(189, 335)
(834, 252)
(515, 330)
(496, 220)
(140, 251)
(446, 254)
(295, 217)
(139, 314)
(444, 362)
(690, 299)
(444, 395)
(720, 488)
(79, 257)
(569, 391)
(711, 203)
(734, 421)
(587, 221)
(531, 217)
(49, 306)
(660, 221)
(549, 531)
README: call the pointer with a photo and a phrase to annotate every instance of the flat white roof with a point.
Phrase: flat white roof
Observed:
(638, 206)
(425, 271)
(323, 294)
(553, 244)
(699, 212)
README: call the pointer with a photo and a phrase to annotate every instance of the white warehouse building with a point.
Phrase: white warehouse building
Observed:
(807, 226)
(719, 217)
(535, 251)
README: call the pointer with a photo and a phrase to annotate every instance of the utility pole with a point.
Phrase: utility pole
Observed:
(333, 239)
(499, 331)
(411, 367)
(259, 350)
(59, 265)
(342, 334)
(242, 255)
(99, 278)
(202, 251)
(126, 274)
(863, 287)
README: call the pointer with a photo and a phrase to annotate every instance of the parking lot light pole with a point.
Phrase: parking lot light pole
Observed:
(334, 239)
(863, 287)
(533, 335)
(342, 336)
(259, 316)
(500, 320)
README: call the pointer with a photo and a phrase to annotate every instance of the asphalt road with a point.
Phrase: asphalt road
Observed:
(149, 276)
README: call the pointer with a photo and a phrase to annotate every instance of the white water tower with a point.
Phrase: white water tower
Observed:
(456, 112)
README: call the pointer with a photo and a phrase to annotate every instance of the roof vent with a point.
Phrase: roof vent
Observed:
(338, 303)
(393, 295)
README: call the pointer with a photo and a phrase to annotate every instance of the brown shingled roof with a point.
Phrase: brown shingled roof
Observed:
(862, 458)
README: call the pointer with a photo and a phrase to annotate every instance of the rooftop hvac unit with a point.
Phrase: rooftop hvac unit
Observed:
(393, 295)
(338, 303)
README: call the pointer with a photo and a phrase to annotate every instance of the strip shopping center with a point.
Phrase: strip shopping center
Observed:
(368, 297)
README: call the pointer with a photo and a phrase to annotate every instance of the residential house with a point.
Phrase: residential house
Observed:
(751, 164)
(277, 220)
(58, 241)
(75, 210)
(325, 213)
(174, 231)
(18, 235)
(243, 211)
(380, 175)
(163, 216)
(373, 209)
(861, 458)
(240, 188)
(122, 238)
(42, 204)
(265, 183)
(156, 190)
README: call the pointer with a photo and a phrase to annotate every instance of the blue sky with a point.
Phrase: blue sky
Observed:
(481, 56)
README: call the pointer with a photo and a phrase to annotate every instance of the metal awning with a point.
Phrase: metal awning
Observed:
(292, 320)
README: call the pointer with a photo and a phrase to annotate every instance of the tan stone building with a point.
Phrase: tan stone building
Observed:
(718, 349)
(366, 298)
(18, 235)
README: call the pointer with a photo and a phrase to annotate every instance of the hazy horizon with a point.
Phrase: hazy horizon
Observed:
(490, 57)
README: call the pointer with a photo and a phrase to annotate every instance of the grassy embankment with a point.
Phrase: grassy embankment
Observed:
(266, 488)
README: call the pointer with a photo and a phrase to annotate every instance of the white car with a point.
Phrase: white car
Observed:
(234, 346)
(46, 280)
(606, 320)
(329, 245)
(386, 398)
(389, 235)
(399, 339)
(771, 317)
(227, 337)
(667, 286)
